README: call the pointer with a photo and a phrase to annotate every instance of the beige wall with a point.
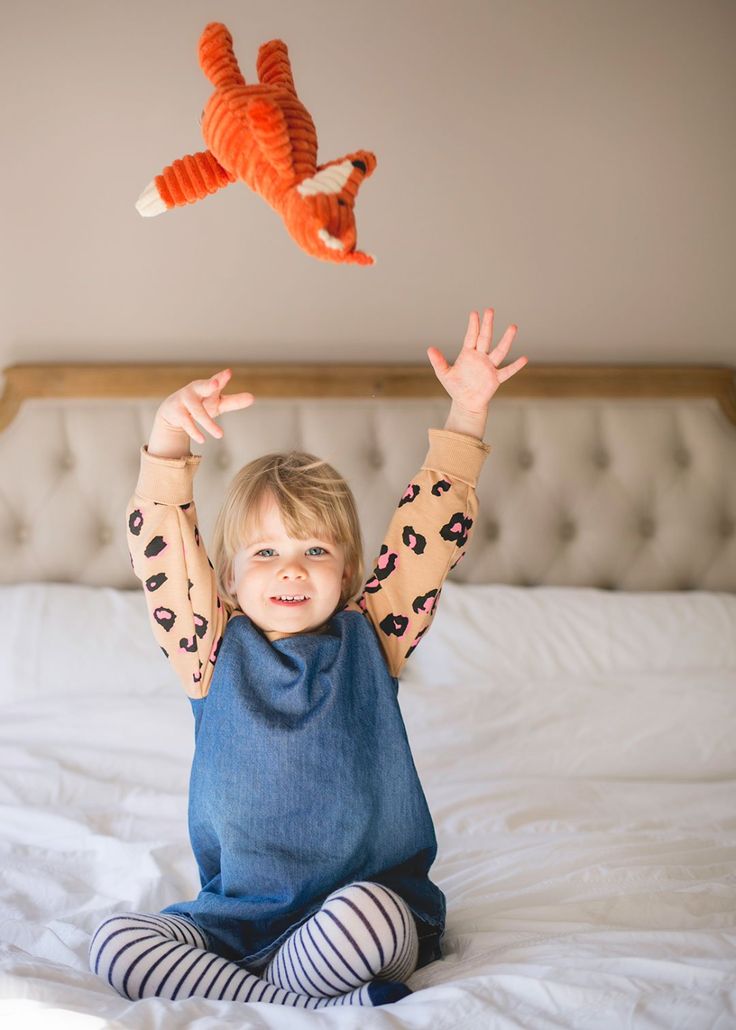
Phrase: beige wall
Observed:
(570, 162)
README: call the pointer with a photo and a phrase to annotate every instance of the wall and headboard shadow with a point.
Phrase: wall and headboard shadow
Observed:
(621, 477)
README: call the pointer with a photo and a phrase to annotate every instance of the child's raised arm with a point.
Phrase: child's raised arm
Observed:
(431, 528)
(166, 550)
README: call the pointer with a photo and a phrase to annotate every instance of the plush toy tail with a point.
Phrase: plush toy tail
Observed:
(216, 57)
(188, 179)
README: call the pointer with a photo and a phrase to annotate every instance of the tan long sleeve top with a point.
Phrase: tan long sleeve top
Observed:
(427, 536)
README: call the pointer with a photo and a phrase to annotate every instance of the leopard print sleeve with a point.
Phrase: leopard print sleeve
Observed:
(426, 538)
(168, 557)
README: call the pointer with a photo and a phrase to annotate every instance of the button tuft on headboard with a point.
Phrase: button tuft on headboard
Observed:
(647, 527)
(567, 530)
(682, 457)
(493, 530)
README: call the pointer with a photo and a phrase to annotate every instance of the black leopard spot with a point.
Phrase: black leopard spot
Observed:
(425, 603)
(135, 522)
(215, 650)
(441, 487)
(155, 547)
(210, 565)
(165, 617)
(417, 638)
(189, 589)
(188, 643)
(218, 603)
(165, 651)
(372, 585)
(413, 540)
(196, 677)
(200, 625)
(196, 536)
(410, 494)
(457, 528)
(394, 625)
(459, 559)
(385, 563)
(154, 582)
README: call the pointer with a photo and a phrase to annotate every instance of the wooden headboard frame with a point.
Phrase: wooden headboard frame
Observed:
(328, 380)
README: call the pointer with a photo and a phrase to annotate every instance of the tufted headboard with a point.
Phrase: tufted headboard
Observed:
(620, 477)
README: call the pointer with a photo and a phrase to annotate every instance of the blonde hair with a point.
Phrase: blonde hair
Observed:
(314, 500)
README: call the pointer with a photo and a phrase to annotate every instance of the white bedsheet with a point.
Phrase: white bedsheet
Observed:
(578, 752)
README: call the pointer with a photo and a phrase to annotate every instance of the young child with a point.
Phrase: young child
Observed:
(306, 815)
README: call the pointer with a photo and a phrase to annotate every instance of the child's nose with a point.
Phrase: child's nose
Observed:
(293, 567)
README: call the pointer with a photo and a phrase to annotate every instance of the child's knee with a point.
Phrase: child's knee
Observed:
(119, 930)
(108, 931)
(389, 915)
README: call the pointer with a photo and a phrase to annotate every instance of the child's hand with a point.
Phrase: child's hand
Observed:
(201, 401)
(475, 376)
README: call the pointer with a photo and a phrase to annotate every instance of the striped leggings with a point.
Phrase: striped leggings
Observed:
(356, 950)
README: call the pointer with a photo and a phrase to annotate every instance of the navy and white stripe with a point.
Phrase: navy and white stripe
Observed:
(362, 933)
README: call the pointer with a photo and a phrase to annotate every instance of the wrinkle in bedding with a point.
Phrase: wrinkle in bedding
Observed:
(589, 861)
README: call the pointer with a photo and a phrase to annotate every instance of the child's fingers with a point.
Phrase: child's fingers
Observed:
(485, 336)
(499, 352)
(235, 401)
(200, 413)
(438, 361)
(509, 370)
(473, 329)
(187, 423)
(217, 382)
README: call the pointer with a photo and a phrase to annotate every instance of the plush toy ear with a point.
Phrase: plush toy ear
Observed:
(217, 58)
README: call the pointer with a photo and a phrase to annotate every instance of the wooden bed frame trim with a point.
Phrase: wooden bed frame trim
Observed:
(136, 380)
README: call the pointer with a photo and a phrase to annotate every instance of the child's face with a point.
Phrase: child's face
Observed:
(271, 564)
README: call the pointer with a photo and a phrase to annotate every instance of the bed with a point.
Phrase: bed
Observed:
(571, 712)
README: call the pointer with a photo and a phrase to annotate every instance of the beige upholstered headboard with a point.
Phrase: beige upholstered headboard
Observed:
(616, 477)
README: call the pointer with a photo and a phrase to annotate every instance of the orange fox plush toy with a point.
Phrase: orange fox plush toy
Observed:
(263, 135)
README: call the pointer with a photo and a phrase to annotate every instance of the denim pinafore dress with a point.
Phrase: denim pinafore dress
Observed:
(303, 781)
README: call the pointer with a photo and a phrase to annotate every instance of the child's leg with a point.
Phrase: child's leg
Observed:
(363, 931)
(144, 956)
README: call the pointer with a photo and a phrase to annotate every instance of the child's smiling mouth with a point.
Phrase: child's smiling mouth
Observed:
(296, 599)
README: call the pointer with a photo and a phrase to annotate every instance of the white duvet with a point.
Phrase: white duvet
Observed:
(578, 752)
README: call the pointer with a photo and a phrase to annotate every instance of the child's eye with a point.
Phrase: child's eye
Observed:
(315, 548)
